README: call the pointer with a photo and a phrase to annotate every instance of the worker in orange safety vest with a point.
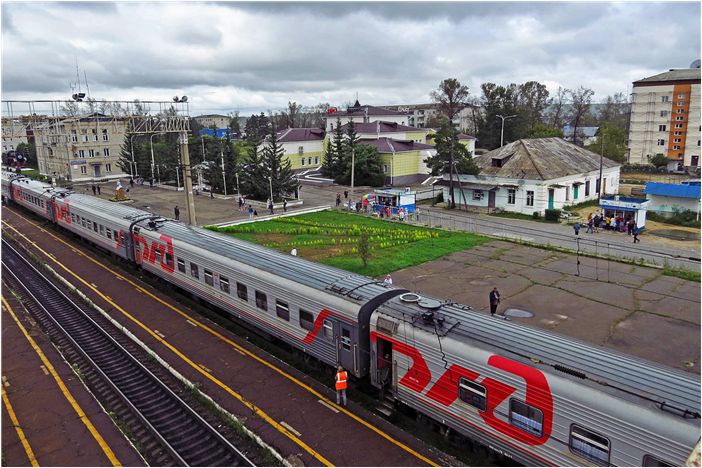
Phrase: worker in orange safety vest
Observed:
(341, 384)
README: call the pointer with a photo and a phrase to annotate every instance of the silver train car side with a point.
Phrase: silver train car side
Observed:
(529, 394)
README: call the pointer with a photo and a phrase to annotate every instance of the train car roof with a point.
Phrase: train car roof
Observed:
(106, 207)
(355, 287)
(596, 364)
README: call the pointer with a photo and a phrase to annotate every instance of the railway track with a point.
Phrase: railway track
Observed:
(168, 431)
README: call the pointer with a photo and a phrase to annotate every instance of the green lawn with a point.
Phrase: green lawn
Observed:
(331, 238)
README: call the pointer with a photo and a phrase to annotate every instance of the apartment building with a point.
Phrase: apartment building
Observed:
(364, 114)
(14, 132)
(665, 118)
(420, 115)
(213, 120)
(81, 148)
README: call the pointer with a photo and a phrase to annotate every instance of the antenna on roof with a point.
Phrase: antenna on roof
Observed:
(86, 83)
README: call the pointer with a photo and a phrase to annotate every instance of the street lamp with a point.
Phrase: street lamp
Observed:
(224, 177)
(270, 183)
(237, 184)
(151, 139)
(502, 132)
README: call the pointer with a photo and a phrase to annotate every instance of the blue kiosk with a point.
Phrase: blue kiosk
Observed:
(395, 199)
(626, 207)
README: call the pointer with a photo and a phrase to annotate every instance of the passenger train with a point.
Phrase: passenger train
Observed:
(531, 395)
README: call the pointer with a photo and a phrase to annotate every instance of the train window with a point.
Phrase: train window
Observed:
(102, 230)
(328, 330)
(169, 259)
(346, 339)
(82, 221)
(650, 460)
(194, 271)
(472, 393)
(181, 265)
(224, 284)
(73, 218)
(261, 300)
(241, 291)
(526, 417)
(157, 256)
(108, 233)
(208, 277)
(589, 445)
(95, 226)
(282, 310)
(306, 320)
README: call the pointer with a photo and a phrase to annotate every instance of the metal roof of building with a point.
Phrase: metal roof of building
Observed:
(289, 135)
(380, 126)
(391, 145)
(682, 74)
(541, 159)
(599, 364)
(672, 190)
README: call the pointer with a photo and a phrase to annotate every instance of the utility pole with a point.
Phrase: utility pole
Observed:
(224, 177)
(353, 165)
(502, 132)
(187, 180)
(599, 181)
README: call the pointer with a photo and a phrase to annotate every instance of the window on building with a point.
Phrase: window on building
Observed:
(678, 125)
(83, 169)
(302, 161)
(81, 153)
(261, 300)
(181, 265)
(300, 150)
(665, 98)
(680, 111)
(676, 147)
(224, 284)
(526, 417)
(664, 113)
(85, 138)
(661, 142)
(472, 393)
(385, 168)
(587, 188)
(677, 140)
(108, 167)
(328, 330)
(91, 153)
(106, 152)
(282, 310)
(477, 194)
(567, 193)
(661, 128)
(530, 198)
(316, 159)
(105, 135)
(511, 196)
(309, 161)
(241, 291)
(208, 277)
(680, 117)
(306, 320)
(681, 96)
(677, 133)
(589, 445)
(681, 103)
(74, 136)
(194, 271)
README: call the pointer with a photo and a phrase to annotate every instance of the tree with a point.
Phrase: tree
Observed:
(363, 245)
(450, 153)
(498, 100)
(277, 167)
(557, 107)
(254, 179)
(580, 107)
(611, 141)
(338, 150)
(451, 97)
(29, 151)
(232, 165)
(544, 131)
(349, 150)
(234, 123)
(532, 100)
(660, 160)
(291, 117)
(615, 111)
(256, 128)
(368, 168)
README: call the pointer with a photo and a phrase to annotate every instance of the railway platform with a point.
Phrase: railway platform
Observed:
(49, 418)
(289, 411)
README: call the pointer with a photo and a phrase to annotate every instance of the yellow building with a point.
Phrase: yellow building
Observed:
(304, 147)
(403, 160)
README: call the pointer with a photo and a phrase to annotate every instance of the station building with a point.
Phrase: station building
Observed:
(304, 147)
(667, 199)
(213, 120)
(532, 175)
(364, 114)
(403, 160)
(14, 133)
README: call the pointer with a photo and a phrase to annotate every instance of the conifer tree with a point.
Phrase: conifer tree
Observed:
(338, 150)
(277, 167)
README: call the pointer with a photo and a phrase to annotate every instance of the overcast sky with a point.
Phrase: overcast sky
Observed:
(258, 56)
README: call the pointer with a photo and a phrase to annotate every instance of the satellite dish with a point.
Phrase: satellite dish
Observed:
(184, 99)
(695, 64)
(175, 98)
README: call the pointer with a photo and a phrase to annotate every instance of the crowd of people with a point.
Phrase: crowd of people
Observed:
(614, 223)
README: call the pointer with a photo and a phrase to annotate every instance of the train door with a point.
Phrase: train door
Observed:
(346, 348)
(384, 363)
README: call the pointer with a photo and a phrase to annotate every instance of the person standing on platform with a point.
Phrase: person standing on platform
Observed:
(388, 279)
(293, 252)
(635, 231)
(251, 211)
(98, 189)
(285, 205)
(494, 300)
(346, 194)
(576, 228)
(176, 211)
(341, 381)
(94, 190)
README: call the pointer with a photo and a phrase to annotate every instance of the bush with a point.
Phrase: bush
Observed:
(687, 218)
(536, 215)
(552, 215)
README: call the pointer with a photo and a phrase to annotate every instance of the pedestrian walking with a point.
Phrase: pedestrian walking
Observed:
(596, 223)
(240, 202)
(338, 199)
(251, 211)
(94, 190)
(630, 226)
(341, 382)
(151, 182)
(346, 194)
(635, 231)
(131, 182)
(285, 205)
(494, 300)
(176, 211)
(576, 228)
(401, 213)
(98, 189)
(388, 279)
(270, 206)
(293, 252)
